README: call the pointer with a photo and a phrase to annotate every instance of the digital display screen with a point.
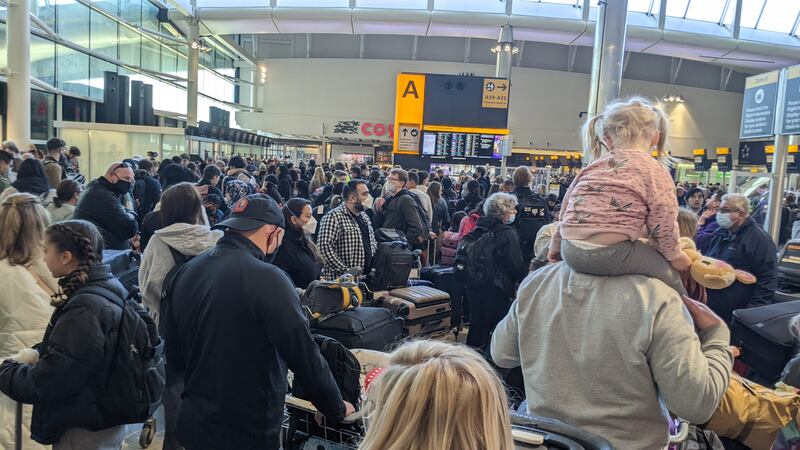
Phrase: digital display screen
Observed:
(444, 144)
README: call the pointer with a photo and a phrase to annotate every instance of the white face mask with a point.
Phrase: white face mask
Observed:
(311, 226)
(724, 220)
(512, 219)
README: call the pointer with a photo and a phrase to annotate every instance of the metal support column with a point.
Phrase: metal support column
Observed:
(18, 35)
(505, 50)
(193, 35)
(775, 205)
(608, 57)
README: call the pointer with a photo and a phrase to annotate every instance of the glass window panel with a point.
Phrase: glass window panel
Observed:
(151, 55)
(230, 3)
(562, 2)
(393, 4)
(72, 20)
(639, 6)
(149, 16)
(172, 145)
(43, 60)
(3, 46)
(131, 11)
(45, 10)
(751, 9)
(103, 37)
(106, 148)
(130, 44)
(705, 10)
(169, 60)
(779, 15)
(72, 68)
(107, 5)
(486, 6)
(677, 8)
(96, 77)
(43, 112)
(315, 3)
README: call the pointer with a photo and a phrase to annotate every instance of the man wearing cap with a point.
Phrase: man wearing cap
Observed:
(233, 325)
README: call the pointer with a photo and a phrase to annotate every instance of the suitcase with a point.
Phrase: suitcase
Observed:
(789, 272)
(125, 266)
(424, 309)
(532, 432)
(365, 327)
(444, 279)
(765, 339)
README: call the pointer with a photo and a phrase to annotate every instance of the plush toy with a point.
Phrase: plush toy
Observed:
(26, 356)
(712, 273)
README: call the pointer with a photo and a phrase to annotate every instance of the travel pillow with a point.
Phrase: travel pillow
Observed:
(713, 273)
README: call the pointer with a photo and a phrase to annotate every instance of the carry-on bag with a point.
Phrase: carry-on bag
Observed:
(391, 266)
(444, 279)
(323, 298)
(124, 266)
(765, 339)
(366, 327)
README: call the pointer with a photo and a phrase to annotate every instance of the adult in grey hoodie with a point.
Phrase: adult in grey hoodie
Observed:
(612, 355)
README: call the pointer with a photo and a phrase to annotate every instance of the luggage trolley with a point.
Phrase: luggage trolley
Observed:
(300, 430)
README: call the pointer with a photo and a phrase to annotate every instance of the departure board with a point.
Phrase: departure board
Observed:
(460, 145)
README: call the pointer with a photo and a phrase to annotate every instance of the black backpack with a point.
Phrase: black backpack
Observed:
(530, 218)
(423, 215)
(391, 266)
(475, 258)
(169, 280)
(136, 378)
(344, 366)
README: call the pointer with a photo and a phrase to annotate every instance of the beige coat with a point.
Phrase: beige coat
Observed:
(24, 314)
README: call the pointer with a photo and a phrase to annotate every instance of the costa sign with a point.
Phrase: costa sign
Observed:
(362, 129)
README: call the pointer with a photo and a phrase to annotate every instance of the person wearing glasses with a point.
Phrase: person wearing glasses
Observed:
(102, 205)
(740, 242)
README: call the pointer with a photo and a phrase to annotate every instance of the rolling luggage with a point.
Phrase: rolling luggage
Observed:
(125, 266)
(444, 279)
(424, 309)
(365, 327)
(391, 266)
(532, 432)
(765, 339)
(789, 272)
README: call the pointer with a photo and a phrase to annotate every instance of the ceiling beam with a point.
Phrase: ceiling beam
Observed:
(675, 69)
(724, 78)
(585, 9)
(308, 45)
(361, 49)
(625, 62)
(467, 45)
(736, 29)
(521, 51)
(662, 15)
(571, 55)
(414, 48)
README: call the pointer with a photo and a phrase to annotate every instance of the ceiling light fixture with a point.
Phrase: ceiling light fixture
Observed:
(673, 99)
(505, 42)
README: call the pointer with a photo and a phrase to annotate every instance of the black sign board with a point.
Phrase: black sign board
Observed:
(701, 162)
(752, 153)
(724, 159)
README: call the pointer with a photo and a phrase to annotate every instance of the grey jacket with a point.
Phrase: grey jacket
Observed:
(611, 355)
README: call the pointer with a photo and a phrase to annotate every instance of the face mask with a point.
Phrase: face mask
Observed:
(512, 218)
(121, 187)
(390, 188)
(724, 220)
(311, 226)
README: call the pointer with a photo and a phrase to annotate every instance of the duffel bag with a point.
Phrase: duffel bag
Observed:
(323, 298)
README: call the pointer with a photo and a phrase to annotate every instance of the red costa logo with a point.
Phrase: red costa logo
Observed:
(377, 129)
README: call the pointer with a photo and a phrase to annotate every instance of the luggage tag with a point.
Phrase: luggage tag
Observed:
(320, 209)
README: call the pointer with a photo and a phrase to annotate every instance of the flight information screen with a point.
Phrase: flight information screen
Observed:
(461, 145)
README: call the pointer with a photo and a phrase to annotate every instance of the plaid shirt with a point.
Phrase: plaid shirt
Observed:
(340, 242)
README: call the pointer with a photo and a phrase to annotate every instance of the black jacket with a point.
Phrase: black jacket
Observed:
(146, 192)
(285, 187)
(296, 257)
(532, 214)
(469, 202)
(441, 217)
(509, 264)
(233, 326)
(102, 207)
(400, 213)
(748, 248)
(74, 357)
(485, 185)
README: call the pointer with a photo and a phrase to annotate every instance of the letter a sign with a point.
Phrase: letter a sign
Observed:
(408, 113)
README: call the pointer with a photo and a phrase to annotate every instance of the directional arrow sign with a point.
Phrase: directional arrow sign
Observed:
(409, 138)
(495, 93)
(405, 132)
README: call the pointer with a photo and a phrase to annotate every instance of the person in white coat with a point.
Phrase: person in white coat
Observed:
(185, 231)
(25, 306)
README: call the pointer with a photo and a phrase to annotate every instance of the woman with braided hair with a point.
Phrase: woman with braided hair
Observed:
(25, 297)
(62, 375)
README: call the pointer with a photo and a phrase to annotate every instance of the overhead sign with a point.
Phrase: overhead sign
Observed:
(408, 112)
(792, 160)
(724, 159)
(495, 93)
(758, 108)
(700, 159)
(791, 102)
(408, 136)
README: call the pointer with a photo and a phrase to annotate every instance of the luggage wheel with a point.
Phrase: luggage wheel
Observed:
(148, 433)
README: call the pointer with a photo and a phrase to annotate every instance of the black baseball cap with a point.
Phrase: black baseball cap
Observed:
(251, 212)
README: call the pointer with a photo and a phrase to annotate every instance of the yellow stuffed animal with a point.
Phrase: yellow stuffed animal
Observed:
(712, 273)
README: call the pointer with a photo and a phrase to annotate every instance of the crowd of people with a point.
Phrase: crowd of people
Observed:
(607, 340)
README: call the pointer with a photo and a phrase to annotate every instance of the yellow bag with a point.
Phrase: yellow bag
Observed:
(753, 414)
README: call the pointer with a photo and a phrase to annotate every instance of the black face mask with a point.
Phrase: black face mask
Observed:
(270, 257)
(121, 187)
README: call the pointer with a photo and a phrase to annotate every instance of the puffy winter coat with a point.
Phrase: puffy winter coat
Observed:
(75, 356)
(24, 312)
(102, 207)
(190, 240)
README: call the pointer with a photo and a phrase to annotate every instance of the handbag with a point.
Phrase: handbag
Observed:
(323, 298)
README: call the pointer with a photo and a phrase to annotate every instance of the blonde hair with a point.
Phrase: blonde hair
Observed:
(22, 223)
(626, 122)
(687, 223)
(435, 395)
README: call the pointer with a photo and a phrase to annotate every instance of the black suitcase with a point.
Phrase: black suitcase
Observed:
(765, 339)
(125, 266)
(365, 327)
(444, 279)
(532, 432)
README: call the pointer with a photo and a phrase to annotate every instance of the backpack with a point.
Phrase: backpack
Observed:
(73, 174)
(345, 368)
(169, 280)
(423, 215)
(136, 377)
(322, 298)
(391, 265)
(475, 257)
(530, 218)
